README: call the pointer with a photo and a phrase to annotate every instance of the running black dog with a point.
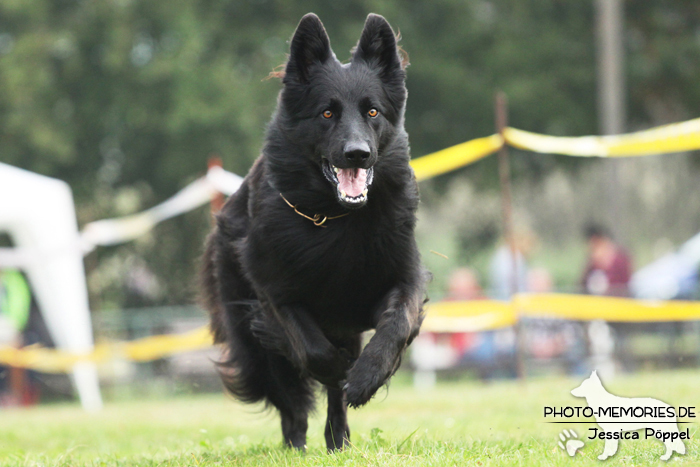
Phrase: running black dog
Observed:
(318, 244)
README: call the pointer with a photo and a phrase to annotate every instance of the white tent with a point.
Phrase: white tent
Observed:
(38, 214)
(673, 276)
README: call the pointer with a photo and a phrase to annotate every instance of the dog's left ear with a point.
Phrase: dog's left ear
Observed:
(377, 47)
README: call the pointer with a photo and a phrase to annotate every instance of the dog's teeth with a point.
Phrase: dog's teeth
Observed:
(343, 194)
(337, 170)
(364, 193)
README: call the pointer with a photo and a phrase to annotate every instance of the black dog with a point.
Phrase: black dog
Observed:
(318, 244)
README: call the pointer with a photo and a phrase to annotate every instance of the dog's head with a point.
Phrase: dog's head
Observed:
(343, 115)
(590, 386)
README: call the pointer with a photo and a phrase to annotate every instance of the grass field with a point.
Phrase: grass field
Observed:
(459, 423)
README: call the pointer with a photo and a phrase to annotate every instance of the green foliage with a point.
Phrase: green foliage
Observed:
(127, 99)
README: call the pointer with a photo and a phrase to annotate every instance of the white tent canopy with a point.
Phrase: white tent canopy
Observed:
(39, 215)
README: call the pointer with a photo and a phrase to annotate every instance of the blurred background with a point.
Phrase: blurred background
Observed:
(127, 100)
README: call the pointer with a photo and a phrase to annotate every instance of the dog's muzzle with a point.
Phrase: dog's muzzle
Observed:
(352, 184)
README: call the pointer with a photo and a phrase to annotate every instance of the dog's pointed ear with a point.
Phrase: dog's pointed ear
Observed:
(378, 48)
(310, 46)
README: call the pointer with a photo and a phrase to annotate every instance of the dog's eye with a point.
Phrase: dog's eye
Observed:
(373, 113)
(327, 114)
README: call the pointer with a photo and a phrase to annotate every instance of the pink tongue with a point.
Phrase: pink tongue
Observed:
(352, 181)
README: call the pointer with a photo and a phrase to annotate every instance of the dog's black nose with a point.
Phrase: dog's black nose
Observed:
(357, 153)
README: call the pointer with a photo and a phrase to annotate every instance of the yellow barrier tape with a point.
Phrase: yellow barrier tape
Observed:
(455, 157)
(468, 316)
(485, 315)
(590, 307)
(140, 350)
(461, 316)
(154, 347)
(676, 137)
(50, 360)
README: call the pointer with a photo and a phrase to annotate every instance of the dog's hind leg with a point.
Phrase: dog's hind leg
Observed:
(292, 395)
(292, 332)
(337, 430)
(259, 375)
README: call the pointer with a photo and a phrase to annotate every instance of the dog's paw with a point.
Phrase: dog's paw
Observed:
(364, 379)
(356, 396)
(570, 442)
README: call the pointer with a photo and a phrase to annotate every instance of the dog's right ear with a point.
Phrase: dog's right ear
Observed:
(310, 46)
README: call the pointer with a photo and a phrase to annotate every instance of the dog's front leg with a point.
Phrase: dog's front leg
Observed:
(292, 332)
(396, 326)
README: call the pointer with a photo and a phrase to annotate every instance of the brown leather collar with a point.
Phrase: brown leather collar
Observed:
(317, 219)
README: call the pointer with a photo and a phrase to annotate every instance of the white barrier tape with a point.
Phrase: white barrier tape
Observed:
(124, 229)
(223, 181)
(197, 193)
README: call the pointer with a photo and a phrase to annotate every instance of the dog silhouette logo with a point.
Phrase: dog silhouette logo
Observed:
(621, 418)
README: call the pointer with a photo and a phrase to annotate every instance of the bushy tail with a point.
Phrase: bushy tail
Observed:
(242, 365)
(243, 368)
(209, 294)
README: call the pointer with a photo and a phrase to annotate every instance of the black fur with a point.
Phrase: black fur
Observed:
(290, 298)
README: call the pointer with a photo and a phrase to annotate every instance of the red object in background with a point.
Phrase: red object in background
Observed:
(464, 285)
(463, 341)
(217, 202)
(21, 391)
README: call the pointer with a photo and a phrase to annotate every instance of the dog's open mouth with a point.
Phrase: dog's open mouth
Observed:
(352, 185)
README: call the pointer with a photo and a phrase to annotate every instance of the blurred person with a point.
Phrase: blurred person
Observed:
(15, 302)
(542, 337)
(15, 305)
(489, 352)
(608, 271)
(609, 268)
(464, 285)
(509, 275)
(539, 280)
(554, 340)
(502, 280)
(433, 351)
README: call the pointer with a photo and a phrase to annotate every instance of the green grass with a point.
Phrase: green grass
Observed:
(457, 423)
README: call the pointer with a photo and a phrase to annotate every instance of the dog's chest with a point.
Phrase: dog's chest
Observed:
(348, 265)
